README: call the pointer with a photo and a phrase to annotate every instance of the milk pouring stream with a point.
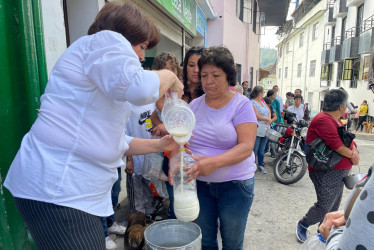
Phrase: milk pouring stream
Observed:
(179, 121)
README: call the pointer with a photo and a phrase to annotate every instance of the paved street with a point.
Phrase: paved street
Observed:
(276, 208)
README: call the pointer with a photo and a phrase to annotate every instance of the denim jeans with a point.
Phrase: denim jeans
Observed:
(259, 149)
(116, 189)
(230, 202)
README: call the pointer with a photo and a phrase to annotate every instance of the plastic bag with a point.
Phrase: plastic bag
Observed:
(152, 166)
(316, 242)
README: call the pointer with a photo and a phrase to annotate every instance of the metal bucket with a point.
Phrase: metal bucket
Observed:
(173, 234)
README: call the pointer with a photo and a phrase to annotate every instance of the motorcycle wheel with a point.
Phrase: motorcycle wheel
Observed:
(290, 174)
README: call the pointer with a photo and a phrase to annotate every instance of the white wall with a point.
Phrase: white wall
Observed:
(54, 31)
(81, 14)
(237, 36)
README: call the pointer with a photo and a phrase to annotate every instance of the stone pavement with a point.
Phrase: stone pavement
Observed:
(276, 207)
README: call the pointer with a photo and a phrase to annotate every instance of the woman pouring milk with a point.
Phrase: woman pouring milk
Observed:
(224, 137)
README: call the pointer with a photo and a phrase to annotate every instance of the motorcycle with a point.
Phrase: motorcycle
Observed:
(290, 160)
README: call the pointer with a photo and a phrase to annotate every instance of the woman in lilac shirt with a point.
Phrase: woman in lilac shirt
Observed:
(224, 137)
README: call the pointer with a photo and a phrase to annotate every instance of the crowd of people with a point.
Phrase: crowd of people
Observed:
(101, 111)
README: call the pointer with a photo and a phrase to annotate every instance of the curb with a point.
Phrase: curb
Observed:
(365, 136)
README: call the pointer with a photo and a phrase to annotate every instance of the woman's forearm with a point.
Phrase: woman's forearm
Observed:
(140, 146)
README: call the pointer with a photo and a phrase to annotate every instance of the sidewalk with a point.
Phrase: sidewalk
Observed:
(364, 136)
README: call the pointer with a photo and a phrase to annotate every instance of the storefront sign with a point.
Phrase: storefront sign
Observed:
(201, 24)
(183, 10)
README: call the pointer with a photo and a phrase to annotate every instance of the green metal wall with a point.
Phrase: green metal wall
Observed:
(22, 80)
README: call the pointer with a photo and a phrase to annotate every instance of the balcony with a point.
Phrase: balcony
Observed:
(329, 19)
(325, 57)
(366, 36)
(340, 9)
(352, 3)
(350, 45)
(336, 49)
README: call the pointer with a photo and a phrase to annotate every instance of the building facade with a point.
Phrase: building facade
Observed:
(299, 53)
(348, 41)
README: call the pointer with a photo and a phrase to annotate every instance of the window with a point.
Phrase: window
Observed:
(360, 18)
(244, 10)
(365, 70)
(288, 47)
(301, 41)
(299, 70)
(312, 68)
(251, 77)
(344, 22)
(315, 31)
(285, 72)
(280, 51)
(254, 27)
(239, 72)
(339, 75)
(239, 9)
(279, 72)
(351, 71)
(324, 72)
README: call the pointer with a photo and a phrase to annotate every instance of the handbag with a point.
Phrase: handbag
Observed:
(261, 130)
(320, 157)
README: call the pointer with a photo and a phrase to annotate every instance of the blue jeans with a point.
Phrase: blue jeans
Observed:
(116, 189)
(259, 149)
(230, 202)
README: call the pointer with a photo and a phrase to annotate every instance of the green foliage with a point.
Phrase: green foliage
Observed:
(267, 57)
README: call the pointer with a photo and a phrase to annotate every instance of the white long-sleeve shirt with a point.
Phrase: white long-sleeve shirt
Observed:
(71, 154)
(280, 100)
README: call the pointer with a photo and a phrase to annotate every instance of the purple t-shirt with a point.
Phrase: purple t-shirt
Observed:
(215, 133)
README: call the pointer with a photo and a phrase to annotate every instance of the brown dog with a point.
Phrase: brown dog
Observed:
(368, 126)
(134, 235)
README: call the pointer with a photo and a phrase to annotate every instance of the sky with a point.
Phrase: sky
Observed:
(269, 39)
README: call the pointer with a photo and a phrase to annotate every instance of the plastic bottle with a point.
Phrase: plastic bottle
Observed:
(186, 203)
(316, 242)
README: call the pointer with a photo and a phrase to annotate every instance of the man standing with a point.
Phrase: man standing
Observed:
(245, 86)
(298, 108)
(299, 92)
(278, 97)
(289, 100)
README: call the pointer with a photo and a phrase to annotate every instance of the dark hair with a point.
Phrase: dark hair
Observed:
(366, 102)
(256, 91)
(298, 96)
(128, 21)
(249, 89)
(160, 60)
(299, 90)
(222, 58)
(275, 86)
(196, 50)
(267, 100)
(270, 93)
(334, 99)
(290, 94)
(244, 82)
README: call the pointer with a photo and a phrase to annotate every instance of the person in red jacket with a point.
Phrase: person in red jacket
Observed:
(328, 184)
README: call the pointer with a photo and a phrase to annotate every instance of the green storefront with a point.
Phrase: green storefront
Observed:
(23, 78)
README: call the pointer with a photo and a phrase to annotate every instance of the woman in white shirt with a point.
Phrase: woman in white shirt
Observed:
(62, 175)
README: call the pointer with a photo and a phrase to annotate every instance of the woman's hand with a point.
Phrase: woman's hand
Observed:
(167, 143)
(177, 87)
(159, 130)
(355, 156)
(129, 165)
(204, 166)
(331, 219)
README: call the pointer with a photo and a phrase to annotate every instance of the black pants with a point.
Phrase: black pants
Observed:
(329, 189)
(57, 227)
(361, 119)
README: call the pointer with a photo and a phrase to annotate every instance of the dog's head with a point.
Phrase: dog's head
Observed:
(134, 238)
(365, 124)
(137, 218)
